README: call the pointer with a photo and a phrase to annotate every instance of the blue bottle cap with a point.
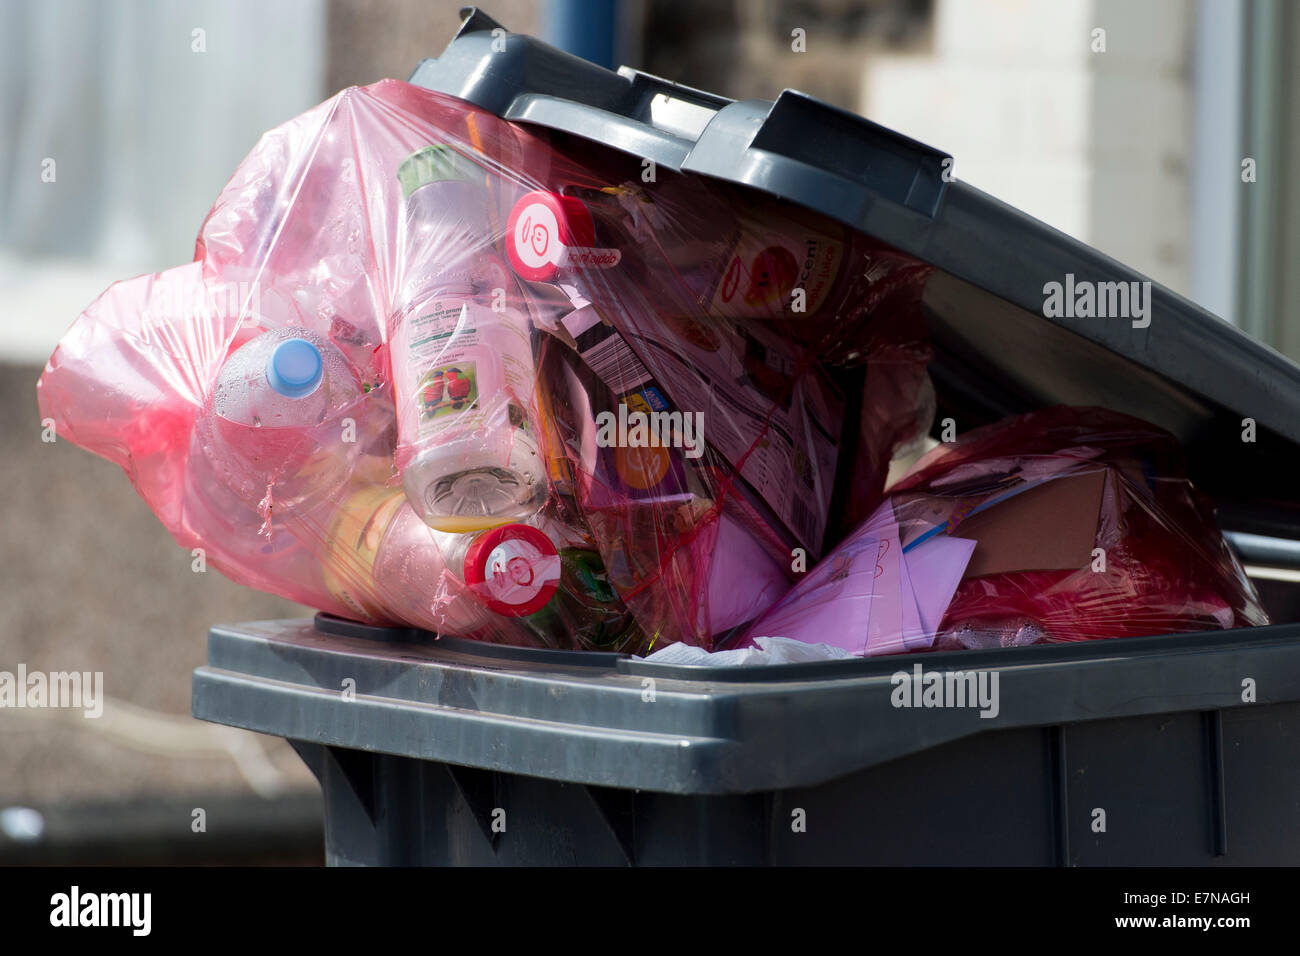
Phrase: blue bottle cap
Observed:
(295, 368)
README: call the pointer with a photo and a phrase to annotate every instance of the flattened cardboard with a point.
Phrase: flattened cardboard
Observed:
(1052, 527)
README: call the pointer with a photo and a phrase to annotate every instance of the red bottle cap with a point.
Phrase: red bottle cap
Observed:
(540, 226)
(514, 569)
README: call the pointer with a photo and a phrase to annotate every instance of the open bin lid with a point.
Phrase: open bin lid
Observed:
(996, 352)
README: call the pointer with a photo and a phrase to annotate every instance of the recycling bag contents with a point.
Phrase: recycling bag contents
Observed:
(1065, 524)
(434, 369)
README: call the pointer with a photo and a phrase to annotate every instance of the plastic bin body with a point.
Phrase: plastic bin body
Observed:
(1161, 750)
(447, 752)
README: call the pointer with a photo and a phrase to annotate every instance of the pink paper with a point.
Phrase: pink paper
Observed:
(869, 598)
(913, 628)
(831, 605)
(893, 608)
(744, 581)
(935, 569)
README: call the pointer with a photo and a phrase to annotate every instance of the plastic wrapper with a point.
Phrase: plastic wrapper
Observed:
(1066, 524)
(431, 368)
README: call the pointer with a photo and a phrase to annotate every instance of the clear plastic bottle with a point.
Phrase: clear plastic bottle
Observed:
(462, 358)
(383, 562)
(505, 582)
(277, 426)
(269, 450)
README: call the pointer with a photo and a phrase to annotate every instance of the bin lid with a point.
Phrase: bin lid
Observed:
(998, 351)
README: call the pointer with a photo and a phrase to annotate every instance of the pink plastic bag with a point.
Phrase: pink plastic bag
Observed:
(429, 368)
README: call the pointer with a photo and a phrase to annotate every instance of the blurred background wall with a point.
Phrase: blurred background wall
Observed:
(1124, 124)
(144, 108)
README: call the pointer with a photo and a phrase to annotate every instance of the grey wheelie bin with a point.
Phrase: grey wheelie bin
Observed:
(451, 751)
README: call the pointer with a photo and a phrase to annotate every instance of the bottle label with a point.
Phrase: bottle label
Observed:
(445, 390)
(353, 545)
(458, 366)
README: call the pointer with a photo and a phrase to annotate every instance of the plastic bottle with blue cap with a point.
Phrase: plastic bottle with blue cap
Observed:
(295, 368)
(273, 430)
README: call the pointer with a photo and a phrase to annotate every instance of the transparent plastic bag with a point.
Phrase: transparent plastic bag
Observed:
(1065, 524)
(435, 369)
